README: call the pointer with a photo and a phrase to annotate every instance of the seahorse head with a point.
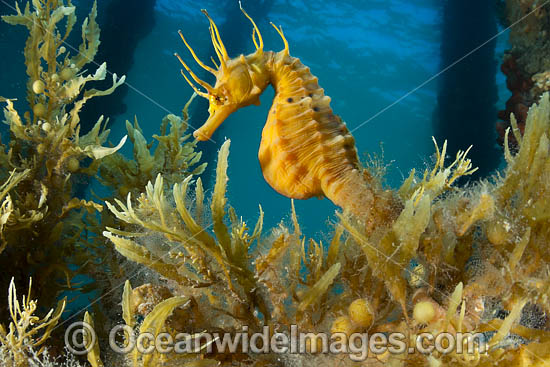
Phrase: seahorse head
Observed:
(239, 81)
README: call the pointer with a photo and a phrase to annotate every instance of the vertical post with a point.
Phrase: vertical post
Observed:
(466, 113)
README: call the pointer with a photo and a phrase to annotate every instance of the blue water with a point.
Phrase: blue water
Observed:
(375, 59)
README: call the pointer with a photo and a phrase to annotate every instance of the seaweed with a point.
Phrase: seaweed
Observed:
(27, 333)
(43, 220)
(452, 261)
(173, 156)
(46, 230)
(215, 270)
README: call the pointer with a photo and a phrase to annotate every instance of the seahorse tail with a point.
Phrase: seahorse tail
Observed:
(350, 192)
(355, 192)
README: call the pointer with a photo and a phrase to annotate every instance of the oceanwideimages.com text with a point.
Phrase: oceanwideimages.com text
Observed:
(358, 346)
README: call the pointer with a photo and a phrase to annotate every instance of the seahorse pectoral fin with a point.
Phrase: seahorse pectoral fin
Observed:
(256, 91)
(217, 116)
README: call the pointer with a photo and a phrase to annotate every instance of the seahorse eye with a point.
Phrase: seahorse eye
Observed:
(217, 99)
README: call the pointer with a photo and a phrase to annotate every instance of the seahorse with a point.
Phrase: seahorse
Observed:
(306, 150)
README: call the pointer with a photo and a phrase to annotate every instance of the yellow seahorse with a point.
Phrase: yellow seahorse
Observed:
(306, 150)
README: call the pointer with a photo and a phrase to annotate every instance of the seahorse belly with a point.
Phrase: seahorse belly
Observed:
(306, 150)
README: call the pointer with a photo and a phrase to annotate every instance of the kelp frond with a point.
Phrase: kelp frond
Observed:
(440, 178)
(174, 156)
(433, 268)
(211, 259)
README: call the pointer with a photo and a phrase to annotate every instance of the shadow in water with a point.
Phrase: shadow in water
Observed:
(466, 113)
(120, 36)
(123, 26)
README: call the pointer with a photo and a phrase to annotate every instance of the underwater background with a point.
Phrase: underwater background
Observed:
(442, 228)
(385, 64)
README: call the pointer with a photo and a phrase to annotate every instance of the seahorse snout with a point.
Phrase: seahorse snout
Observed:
(218, 114)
